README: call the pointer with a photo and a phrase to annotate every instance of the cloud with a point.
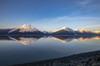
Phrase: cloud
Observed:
(75, 18)
(67, 18)
(85, 2)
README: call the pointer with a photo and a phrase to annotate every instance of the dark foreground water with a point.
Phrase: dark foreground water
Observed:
(26, 49)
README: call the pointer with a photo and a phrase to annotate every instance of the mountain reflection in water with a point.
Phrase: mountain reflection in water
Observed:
(26, 49)
(27, 40)
(66, 39)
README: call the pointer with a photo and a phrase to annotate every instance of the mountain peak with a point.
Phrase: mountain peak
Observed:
(67, 29)
(25, 25)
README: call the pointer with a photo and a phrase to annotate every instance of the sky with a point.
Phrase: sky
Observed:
(50, 15)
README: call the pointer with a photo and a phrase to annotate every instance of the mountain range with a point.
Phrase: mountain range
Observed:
(69, 31)
(30, 30)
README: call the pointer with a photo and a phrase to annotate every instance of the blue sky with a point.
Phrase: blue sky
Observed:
(50, 14)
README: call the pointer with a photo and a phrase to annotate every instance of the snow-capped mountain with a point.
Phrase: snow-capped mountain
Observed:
(76, 30)
(24, 28)
(65, 29)
(69, 31)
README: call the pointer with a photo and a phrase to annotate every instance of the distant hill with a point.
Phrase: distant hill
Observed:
(4, 31)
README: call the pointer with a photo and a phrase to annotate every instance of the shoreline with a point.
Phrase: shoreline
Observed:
(83, 59)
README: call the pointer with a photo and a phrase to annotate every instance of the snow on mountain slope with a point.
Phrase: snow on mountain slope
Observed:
(24, 28)
(76, 30)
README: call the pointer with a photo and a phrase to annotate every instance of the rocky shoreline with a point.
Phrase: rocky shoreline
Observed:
(84, 59)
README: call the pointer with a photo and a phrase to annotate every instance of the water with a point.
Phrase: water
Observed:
(22, 49)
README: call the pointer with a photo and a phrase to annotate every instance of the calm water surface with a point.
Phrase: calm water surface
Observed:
(18, 50)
